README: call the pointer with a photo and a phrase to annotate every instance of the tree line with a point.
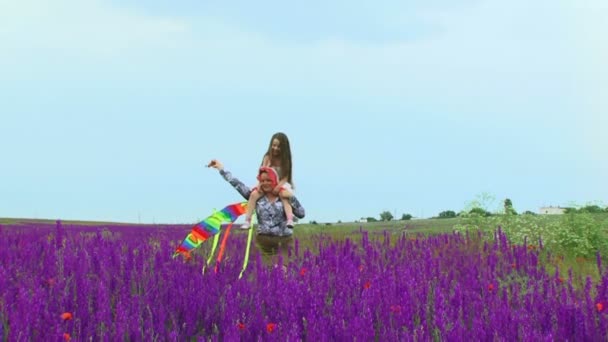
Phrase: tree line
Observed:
(479, 210)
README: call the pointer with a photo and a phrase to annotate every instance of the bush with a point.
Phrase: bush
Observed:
(574, 234)
(406, 217)
(591, 209)
(581, 235)
(447, 214)
(480, 211)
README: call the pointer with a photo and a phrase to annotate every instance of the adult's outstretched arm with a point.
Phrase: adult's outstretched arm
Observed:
(245, 191)
(236, 183)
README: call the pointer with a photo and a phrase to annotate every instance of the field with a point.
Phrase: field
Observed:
(410, 280)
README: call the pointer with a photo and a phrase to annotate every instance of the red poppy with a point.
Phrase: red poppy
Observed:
(491, 287)
(395, 308)
(240, 326)
(66, 316)
(50, 282)
(599, 307)
(303, 271)
(270, 327)
(367, 285)
(513, 265)
(67, 336)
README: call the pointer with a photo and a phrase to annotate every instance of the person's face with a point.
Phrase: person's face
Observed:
(275, 147)
(266, 182)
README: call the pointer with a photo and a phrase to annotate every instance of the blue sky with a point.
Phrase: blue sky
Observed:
(110, 109)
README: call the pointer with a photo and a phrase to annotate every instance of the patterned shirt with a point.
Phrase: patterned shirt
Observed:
(271, 214)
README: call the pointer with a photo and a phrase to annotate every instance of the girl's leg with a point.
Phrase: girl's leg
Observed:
(285, 196)
(253, 199)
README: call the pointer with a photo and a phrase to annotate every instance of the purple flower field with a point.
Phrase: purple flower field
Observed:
(62, 282)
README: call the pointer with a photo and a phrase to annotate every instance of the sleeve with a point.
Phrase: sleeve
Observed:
(298, 209)
(236, 183)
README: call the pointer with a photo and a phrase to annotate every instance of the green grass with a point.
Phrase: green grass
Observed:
(425, 226)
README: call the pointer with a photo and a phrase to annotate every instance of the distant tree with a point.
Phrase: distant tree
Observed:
(313, 222)
(447, 214)
(528, 212)
(406, 217)
(372, 219)
(508, 205)
(570, 210)
(386, 216)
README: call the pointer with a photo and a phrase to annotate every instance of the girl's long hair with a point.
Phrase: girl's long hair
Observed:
(284, 156)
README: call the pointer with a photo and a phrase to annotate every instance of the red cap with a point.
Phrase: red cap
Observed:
(272, 173)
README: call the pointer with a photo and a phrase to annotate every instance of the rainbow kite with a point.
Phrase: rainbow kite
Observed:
(209, 227)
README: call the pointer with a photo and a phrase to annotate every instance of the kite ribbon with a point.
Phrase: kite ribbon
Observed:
(216, 239)
(220, 254)
(249, 238)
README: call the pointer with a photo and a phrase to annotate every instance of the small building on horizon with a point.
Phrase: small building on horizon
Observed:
(551, 210)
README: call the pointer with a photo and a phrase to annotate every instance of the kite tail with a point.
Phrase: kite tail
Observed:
(216, 239)
(247, 247)
(209, 227)
(220, 254)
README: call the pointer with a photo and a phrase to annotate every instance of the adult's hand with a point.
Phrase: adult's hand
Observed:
(216, 164)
